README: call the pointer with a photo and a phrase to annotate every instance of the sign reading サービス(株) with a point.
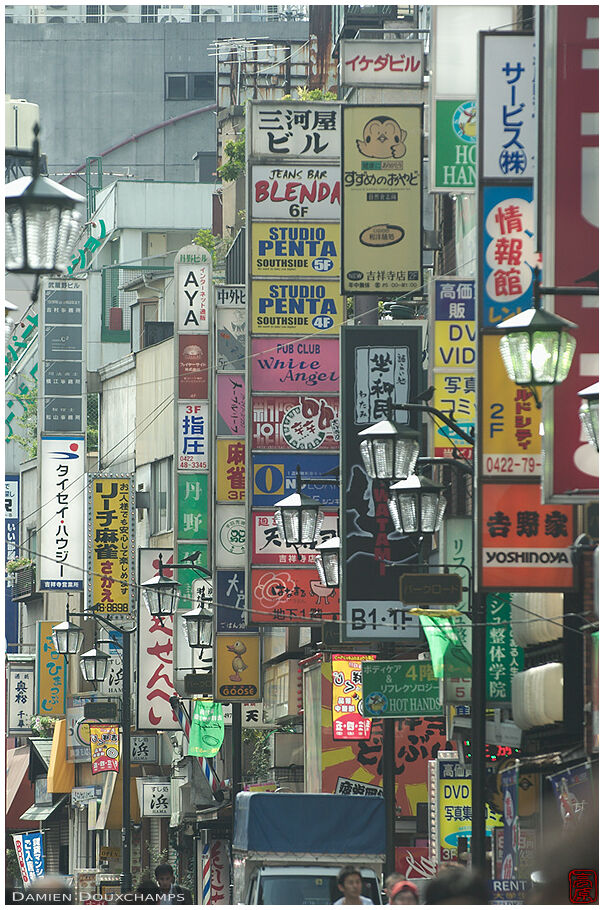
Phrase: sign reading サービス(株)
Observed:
(381, 198)
(400, 688)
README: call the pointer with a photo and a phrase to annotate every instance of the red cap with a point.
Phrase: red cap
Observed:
(401, 886)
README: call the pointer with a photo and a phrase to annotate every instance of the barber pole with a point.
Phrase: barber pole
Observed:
(206, 875)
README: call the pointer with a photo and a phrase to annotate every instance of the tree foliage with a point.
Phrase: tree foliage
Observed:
(233, 165)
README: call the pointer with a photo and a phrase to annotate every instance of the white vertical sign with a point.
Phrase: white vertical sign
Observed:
(62, 485)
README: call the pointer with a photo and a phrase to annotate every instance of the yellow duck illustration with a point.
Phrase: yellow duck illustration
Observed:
(238, 664)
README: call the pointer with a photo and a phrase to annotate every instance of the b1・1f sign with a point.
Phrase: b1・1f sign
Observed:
(381, 198)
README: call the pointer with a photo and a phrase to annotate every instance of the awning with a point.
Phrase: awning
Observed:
(40, 813)
(43, 747)
(61, 773)
(19, 788)
(110, 811)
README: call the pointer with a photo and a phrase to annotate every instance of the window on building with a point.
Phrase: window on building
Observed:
(94, 14)
(161, 496)
(194, 14)
(149, 13)
(190, 86)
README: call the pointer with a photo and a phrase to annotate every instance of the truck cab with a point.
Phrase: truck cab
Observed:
(304, 885)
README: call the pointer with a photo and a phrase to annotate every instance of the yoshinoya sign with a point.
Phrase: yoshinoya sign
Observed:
(295, 365)
(381, 198)
(303, 423)
(284, 307)
(383, 62)
(62, 461)
(294, 129)
(300, 250)
(296, 191)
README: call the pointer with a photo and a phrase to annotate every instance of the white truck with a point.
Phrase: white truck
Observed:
(288, 848)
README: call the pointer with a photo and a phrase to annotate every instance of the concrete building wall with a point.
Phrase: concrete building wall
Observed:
(118, 416)
(99, 85)
(155, 402)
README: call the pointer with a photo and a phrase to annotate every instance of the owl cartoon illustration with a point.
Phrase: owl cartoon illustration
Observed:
(382, 138)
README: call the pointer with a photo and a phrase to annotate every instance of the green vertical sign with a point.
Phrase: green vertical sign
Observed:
(454, 145)
(192, 506)
(504, 657)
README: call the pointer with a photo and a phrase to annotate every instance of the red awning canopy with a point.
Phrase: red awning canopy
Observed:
(19, 789)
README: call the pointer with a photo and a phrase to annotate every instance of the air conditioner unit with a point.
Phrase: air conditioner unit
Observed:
(55, 19)
(114, 19)
(537, 696)
(115, 8)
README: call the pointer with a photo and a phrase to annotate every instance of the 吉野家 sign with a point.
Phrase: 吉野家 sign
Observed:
(296, 365)
(381, 198)
(400, 688)
(296, 191)
(519, 533)
(238, 667)
(437, 589)
(111, 541)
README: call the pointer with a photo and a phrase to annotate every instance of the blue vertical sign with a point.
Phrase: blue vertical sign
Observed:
(11, 548)
(509, 791)
(29, 848)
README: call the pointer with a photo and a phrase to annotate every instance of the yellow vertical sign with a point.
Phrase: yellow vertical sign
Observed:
(511, 444)
(230, 470)
(238, 667)
(110, 543)
(50, 673)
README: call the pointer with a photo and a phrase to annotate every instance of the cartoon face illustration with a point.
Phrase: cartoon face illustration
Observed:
(382, 138)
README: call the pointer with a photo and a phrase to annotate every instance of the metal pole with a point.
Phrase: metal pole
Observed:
(126, 723)
(388, 783)
(479, 708)
(366, 309)
(237, 765)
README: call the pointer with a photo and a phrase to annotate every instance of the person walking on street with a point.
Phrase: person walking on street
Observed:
(350, 884)
(171, 893)
(404, 892)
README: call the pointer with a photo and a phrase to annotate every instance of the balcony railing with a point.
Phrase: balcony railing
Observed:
(23, 583)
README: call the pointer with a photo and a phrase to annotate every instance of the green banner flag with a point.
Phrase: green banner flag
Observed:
(207, 729)
(449, 655)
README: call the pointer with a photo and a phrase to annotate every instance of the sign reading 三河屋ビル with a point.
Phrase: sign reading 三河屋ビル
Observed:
(62, 356)
(269, 549)
(296, 250)
(347, 711)
(111, 541)
(384, 62)
(238, 667)
(519, 533)
(274, 476)
(508, 252)
(193, 436)
(400, 688)
(20, 691)
(374, 556)
(294, 129)
(453, 146)
(193, 366)
(231, 326)
(292, 595)
(296, 191)
(295, 365)
(304, 423)
(504, 657)
(192, 506)
(453, 361)
(62, 467)
(229, 528)
(230, 404)
(50, 673)
(511, 444)
(508, 121)
(381, 198)
(193, 281)
(284, 307)
(227, 295)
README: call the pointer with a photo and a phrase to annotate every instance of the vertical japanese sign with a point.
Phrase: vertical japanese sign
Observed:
(20, 692)
(50, 673)
(63, 356)
(111, 545)
(11, 548)
(381, 198)
(511, 825)
(454, 361)
(349, 721)
(569, 228)
(504, 657)
(455, 807)
(375, 370)
(194, 418)
(62, 467)
(29, 848)
(220, 871)
(155, 670)
(104, 747)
